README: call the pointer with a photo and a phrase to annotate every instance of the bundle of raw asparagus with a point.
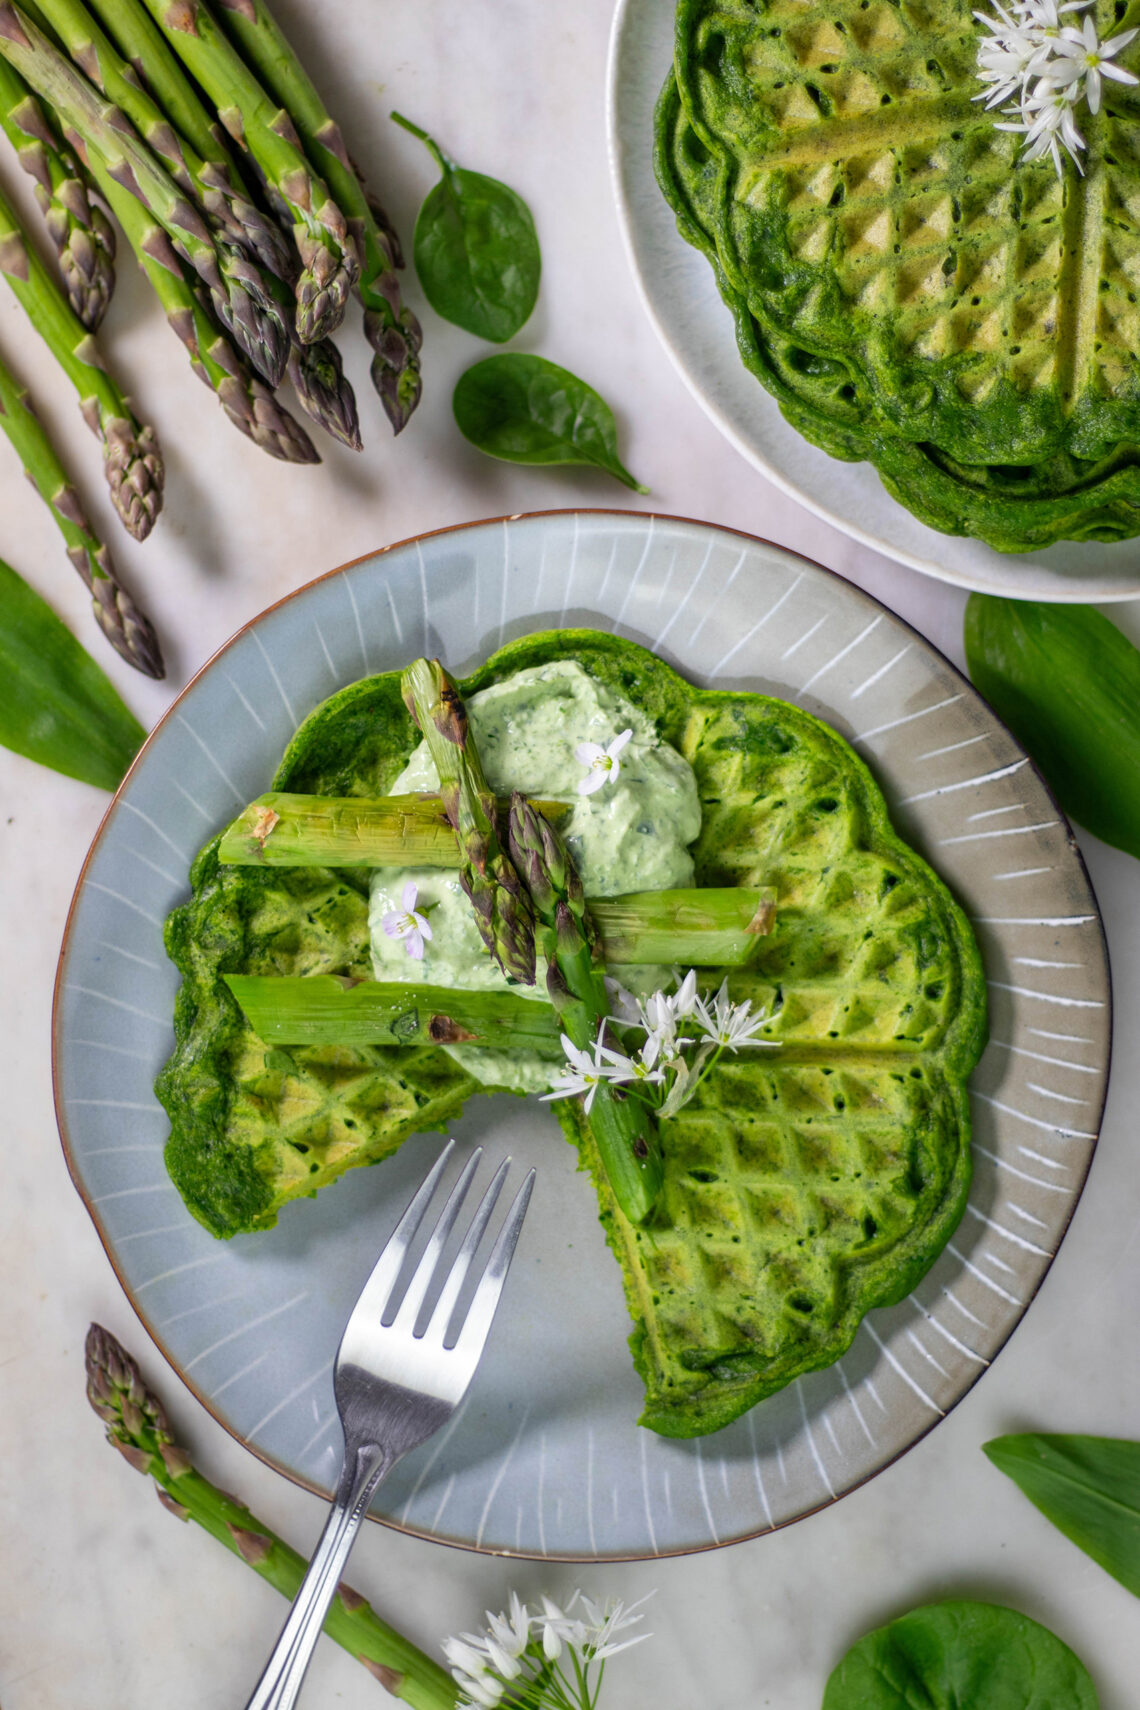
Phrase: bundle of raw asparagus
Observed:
(207, 141)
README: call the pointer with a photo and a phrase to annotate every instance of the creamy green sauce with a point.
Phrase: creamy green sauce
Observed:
(631, 835)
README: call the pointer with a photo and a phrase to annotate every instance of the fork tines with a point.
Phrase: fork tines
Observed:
(382, 1315)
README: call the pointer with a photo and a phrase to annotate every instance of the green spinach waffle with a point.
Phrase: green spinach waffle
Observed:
(804, 1185)
(910, 291)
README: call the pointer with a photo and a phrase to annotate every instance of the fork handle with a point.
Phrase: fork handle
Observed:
(281, 1678)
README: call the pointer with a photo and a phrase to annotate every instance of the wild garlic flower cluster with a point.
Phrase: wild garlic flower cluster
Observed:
(669, 1067)
(1045, 68)
(549, 1658)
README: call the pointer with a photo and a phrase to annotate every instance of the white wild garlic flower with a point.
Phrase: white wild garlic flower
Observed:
(406, 923)
(661, 1073)
(602, 764)
(1044, 68)
(521, 1652)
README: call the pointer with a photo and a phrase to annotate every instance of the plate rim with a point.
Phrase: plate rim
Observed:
(638, 518)
(1081, 592)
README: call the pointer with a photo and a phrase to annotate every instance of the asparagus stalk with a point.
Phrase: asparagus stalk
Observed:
(104, 136)
(131, 457)
(695, 928)
(329, 258)
(283, 830)
(391, 328)
(127, 629)
(80, 232)
(247, 401)
(686, 929)
(72, 24)
(221, 184)
(137, 1426)
(324, 391)
(502, 907)
(326, 1009)
(623, 1127)
(329, 1009)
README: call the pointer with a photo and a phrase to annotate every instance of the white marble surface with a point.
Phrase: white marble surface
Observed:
(104, 1599)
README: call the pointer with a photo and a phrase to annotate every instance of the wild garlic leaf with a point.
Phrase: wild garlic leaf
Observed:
(525, 409)
(1089, 1487)
(56, 706)
(475, 249)
(948, 1656)
(1067, 682)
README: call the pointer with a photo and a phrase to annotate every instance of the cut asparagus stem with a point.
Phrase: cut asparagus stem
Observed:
(624, 1129)
(328, 1009)
(391, 328)
(324, 1009)
(104, 136)
(694, 928)
(503, 910)
(324, 391)
(73, 25)
(130, 451)
(80, 232)
(685, 929)
(127, 629)
(137, 1426)
(283, 830)
(142, 42)
(247, 401)
(329, 258)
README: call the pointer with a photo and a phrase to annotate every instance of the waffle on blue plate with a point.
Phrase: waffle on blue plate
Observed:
(911, 291)
(804, 1185)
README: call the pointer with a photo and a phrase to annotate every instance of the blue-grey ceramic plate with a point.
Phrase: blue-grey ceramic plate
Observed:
(545, 1458)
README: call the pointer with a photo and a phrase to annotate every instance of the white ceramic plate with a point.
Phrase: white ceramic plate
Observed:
(545, 1458)
(697, 330)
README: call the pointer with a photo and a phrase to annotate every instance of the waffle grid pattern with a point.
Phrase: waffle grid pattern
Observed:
(978, 321)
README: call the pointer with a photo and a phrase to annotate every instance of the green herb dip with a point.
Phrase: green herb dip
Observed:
(630, 835)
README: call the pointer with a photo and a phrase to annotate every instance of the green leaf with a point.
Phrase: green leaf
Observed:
(475, 249)
(1067, 682)
(56, 705)
(1089, 1487)
(525, 409)
(961, 1656)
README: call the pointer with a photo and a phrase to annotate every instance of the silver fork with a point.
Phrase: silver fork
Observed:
(394, 1388)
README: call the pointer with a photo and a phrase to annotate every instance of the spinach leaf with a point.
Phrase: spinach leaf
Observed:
(960, 1656)
(525, 409)
(475, 249)
(56, 705)
(1089, 1487)
(1067, 682)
